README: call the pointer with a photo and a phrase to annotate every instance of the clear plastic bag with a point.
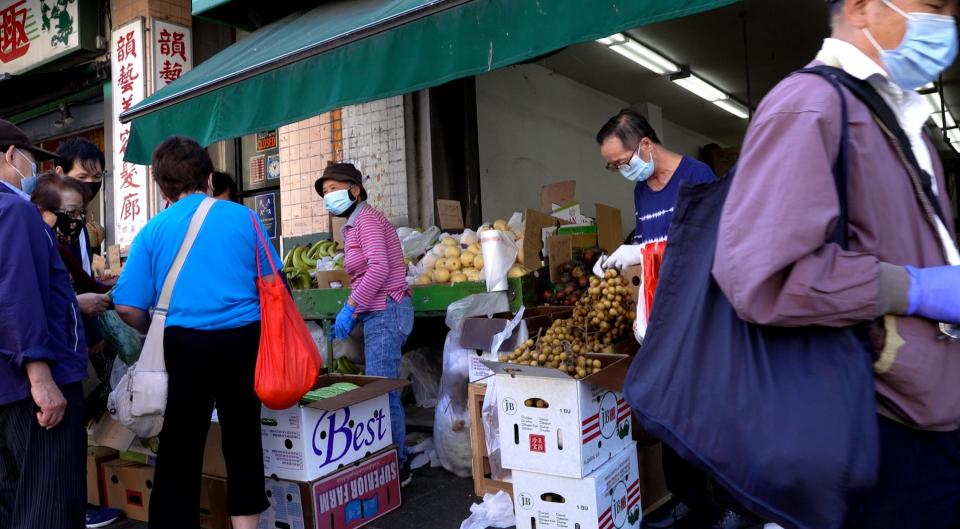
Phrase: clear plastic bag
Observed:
(423, 369)
(416, 243)
(491, 432)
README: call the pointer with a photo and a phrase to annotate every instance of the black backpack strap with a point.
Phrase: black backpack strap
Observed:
(865, 92)
(841, 164)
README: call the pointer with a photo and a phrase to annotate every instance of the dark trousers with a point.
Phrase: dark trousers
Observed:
(919, 485)
(43, 472)
(207, 367)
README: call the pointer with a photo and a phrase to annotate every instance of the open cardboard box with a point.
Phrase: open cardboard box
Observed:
(552, 423)
(333, 279)
(314, 439)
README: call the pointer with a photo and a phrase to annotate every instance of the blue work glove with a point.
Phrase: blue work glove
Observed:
(935, 293)
(344, 323)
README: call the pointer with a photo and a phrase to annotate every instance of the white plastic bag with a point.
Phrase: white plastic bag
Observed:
(422, 368)
(495, 511)
(451, 426)
(491, 432)
(416, 243)
(499, 254)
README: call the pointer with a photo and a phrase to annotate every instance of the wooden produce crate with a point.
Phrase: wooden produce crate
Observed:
(481, 463)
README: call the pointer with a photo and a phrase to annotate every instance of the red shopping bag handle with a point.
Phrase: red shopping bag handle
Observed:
(263, 243)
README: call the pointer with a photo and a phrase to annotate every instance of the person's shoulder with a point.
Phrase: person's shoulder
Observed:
(13, 206)
(697, 171)
(800, 92)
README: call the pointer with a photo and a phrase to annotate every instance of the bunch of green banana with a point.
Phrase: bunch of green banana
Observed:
(345, 366)
(297, 265)
(323, 249)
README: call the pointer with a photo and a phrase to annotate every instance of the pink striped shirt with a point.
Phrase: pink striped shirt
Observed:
(374, 259)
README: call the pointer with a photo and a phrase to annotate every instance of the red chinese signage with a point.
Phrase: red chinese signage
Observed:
(172, 52)
(129, 81)
(13, 33)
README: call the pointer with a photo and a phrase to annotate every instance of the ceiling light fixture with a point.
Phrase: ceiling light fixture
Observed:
(697, 86)
(734, 107)
(639, 54)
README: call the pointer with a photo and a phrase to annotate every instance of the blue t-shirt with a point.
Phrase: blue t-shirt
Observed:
(655, 208)
(217, 284)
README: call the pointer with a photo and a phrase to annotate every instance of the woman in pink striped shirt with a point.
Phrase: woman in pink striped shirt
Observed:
(380, 296)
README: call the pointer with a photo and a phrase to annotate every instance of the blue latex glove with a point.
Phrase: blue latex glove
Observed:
(344, 323)
(935, 293)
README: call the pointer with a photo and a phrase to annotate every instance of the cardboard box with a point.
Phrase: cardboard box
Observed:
(579, 425)
(358, 494)
(213, 503)
(312, 440)
(581, 236)
(333, 279)
(213, 462)
(353, 497)
(478, 334)
(534, 222)
(634, 277)
(110, 433)
(609, 228)
(606, 499)
(96, 456)
(129, 486)
(557, 193)
(142, 451)
(336, 229)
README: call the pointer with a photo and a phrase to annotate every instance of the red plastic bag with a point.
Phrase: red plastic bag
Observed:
(288, 362)
(652, 259)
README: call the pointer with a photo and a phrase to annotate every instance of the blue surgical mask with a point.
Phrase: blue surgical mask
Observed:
(338, 201)
(27, 183)
(638, 170)
(928, 48)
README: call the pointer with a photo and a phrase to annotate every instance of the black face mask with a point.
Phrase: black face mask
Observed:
(68, 228)
(92, 188)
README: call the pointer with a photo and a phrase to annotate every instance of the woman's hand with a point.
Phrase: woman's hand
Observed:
(344, 323)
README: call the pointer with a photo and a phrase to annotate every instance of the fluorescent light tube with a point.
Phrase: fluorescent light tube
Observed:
(954, 135)
(639, 54)
(734, 108)
(701, 88)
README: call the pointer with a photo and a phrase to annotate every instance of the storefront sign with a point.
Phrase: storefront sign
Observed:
(172, 52)
(266, 140)
(128, 64)
(34, 32)
(266, 207)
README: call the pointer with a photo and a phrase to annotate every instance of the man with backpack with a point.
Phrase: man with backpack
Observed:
(899, 275)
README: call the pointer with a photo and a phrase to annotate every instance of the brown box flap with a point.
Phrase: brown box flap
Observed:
(559, 193)
(370, 387)
(561, 252)
(449, 214)
(609, 227)
(614, 372)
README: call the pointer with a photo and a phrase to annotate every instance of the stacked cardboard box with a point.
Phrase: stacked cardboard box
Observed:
(330, 464)
(569, 445)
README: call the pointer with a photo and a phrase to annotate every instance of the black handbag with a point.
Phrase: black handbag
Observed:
(783, 418)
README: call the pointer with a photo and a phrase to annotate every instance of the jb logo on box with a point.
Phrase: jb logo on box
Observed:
(608, 415)
(336, 434)
(538, 443)
(509, 406)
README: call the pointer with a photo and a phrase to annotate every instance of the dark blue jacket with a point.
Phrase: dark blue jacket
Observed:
(39, 315)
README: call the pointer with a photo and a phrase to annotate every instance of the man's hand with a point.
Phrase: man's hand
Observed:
(91, 304)
(46, 395)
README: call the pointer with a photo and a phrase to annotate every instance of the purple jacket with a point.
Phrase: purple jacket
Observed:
(773, 264)
(39, 316)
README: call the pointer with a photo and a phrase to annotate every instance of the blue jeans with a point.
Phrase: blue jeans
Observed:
(384, 333)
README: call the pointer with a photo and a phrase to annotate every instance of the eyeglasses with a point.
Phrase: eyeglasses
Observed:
(616, 166)
(74, 213)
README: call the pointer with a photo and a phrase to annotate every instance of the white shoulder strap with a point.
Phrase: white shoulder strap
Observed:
(163, 303)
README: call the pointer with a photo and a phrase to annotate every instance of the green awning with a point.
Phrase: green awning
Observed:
(353, 51)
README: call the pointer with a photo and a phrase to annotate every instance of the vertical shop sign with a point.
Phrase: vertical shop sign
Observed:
(128, 65)
(266, 206)
(172, 52)
(34, 32)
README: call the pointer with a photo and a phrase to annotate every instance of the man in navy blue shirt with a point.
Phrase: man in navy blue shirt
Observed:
(43, 358)
(630, 146)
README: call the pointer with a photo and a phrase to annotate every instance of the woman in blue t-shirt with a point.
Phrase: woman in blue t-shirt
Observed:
(211, 337)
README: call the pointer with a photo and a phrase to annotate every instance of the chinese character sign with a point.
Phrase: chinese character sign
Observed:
(172, 52)
(128, 63)
(34, 32)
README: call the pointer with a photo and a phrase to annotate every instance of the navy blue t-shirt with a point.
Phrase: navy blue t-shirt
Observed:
(655, 208)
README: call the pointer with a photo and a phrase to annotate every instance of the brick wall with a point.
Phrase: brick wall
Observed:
(305, 149)
(374, 139)
(370, 135)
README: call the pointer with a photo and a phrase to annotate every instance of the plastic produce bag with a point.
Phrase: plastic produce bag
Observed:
(496, 510)
(288, 361)
(120, 339)
(415, 243)
(451, 426)
(491, 432)
(422, 369)
(499, 254)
